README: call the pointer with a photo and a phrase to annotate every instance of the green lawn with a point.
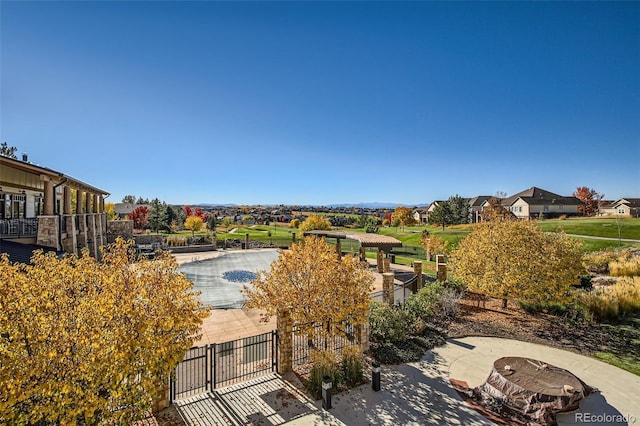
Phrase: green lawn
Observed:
(628, 329)
(605, 227)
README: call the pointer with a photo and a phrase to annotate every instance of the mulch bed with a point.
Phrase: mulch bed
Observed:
(546, 329)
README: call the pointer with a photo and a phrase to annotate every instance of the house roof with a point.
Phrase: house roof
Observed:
(60, 177)
(479, 200)
(631, 202)
(538, 196)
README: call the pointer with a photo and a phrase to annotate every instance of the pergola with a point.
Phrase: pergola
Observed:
(383, 243)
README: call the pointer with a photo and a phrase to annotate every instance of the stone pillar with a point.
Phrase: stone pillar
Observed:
(79, 209)
(66, 200)
(363, 254)
(48, 230)
(362, 333)
(285, 343)
(162, 401)
(101, 202)
(246, 241)
(339, 248)
(94, 204)
(441, 268)
(379, 262)
(87, 203)
(417, 271)
(49, 198)
(388, 290)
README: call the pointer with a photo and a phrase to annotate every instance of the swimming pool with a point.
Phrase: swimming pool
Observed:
(221, 279)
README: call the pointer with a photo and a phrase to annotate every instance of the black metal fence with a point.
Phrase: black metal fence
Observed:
(18, 228)
(213, 366)
(328, 336)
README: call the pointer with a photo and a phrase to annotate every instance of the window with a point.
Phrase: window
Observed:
(38, 203)
(546, 208)
(3, 207)
(18, 206)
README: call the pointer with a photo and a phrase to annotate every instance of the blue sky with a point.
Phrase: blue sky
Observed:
(325, 102)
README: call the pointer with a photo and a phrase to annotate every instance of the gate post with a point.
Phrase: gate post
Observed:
(417, 270)
(362, 333)
(285, 343)
(388, 289)
(441, 268)
(163, 396)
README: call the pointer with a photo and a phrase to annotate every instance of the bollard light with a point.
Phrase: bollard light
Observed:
(326, 392)
(375, 376)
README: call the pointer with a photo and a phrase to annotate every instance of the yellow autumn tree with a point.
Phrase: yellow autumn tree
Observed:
(310, 283)
(85, 341)
(314, 222)
(434, 245)
(110, 210)
(516, 260)
(193, 224)
(403, 215)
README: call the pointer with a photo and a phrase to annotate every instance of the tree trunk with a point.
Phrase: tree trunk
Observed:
(504, 303)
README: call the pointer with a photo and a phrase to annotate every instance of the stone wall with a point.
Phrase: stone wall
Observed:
(119, 228)
(48, 234)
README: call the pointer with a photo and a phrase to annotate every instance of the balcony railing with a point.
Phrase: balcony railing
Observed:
(19, 228)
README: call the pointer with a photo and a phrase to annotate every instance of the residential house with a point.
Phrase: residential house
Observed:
(420, 215)
(623, 207)
(36, 208)
(476, 206)
(534, 202)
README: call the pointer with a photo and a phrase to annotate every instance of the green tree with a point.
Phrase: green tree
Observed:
(453, 211)
(158, 217)
(516, 260)
(131, 199)
(8, 151)
(81, 336)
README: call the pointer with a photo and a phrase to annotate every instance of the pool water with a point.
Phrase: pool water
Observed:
(220, 280)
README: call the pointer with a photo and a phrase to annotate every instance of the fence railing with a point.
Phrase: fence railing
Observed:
(19, 228)
(328, 336)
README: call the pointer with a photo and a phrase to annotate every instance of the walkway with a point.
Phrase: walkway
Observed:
(417, 393)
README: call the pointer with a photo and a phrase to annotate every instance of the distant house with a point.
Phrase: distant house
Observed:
(44, 207)
(123, 209)
(535, 202)
(420, 215)
(623, 207)
(476, 206)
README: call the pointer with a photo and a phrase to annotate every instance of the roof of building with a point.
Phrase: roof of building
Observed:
(538, 196)
(383, 242)
(29, 167)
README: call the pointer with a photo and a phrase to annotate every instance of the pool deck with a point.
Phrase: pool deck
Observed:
(223, 325)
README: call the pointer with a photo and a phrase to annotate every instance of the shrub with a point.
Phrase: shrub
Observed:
(387, 323)
(295, 223)
(625, 267)
(352, 366)
(598, 262)
(609, 303)
(323, 364)
(176, 241)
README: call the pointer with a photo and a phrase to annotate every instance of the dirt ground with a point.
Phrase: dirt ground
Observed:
(514, 323)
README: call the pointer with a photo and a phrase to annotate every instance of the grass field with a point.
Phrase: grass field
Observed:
(605, 227)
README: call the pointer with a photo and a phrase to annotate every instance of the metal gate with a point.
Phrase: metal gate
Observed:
(209, 367)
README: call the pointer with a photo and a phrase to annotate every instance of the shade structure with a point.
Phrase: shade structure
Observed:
(382, 242)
